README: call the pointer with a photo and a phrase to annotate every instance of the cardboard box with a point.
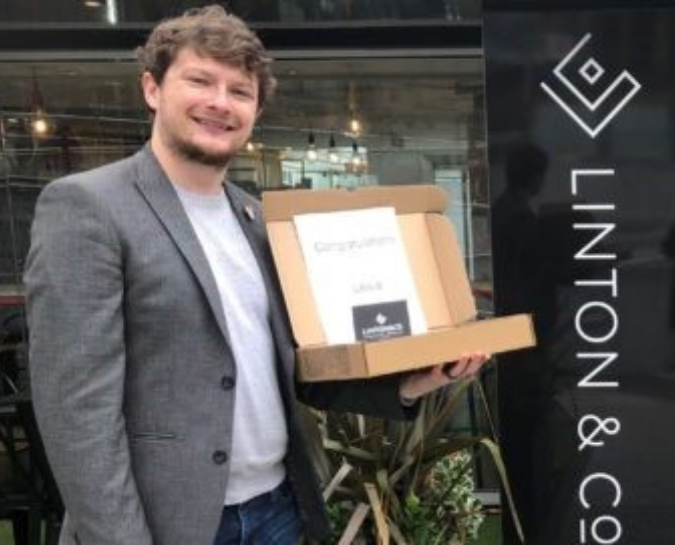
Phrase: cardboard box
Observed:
(440, 278)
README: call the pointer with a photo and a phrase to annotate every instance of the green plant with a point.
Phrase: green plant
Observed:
(447, 504)
(406, 482)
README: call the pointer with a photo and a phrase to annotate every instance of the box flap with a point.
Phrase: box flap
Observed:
(283, 205)
(425, 272)
(295, 283)
(452, 270)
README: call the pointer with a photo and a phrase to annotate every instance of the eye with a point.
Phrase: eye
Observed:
(243, 92)
(198, 81)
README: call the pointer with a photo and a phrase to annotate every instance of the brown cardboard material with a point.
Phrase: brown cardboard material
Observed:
(438, 271)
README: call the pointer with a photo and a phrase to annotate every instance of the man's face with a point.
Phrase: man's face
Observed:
(204, 109)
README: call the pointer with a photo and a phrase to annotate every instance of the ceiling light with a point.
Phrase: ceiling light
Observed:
(40, 126)
(93, 3)
(111, 11)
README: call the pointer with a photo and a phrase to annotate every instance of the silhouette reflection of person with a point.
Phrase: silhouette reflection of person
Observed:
(520, 287)
(514, 229)
(69, 159)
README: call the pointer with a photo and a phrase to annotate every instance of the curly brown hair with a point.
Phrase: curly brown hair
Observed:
(215, 33)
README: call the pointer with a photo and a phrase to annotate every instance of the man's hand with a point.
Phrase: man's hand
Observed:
(422, 382)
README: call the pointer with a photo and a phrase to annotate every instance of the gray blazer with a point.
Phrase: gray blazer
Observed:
(131, 368)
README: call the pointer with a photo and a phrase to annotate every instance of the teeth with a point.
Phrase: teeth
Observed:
(216, 124)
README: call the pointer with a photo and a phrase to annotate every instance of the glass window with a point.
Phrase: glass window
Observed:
(334, 123)
(120, 11)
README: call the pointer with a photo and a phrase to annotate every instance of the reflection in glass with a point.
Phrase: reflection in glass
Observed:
(337, 123)
(113, 12)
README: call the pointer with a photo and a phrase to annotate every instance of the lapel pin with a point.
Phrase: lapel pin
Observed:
(249, 212)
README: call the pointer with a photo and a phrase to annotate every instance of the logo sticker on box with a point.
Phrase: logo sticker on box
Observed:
(381, 321)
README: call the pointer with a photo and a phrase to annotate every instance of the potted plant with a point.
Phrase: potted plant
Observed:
(407, 483)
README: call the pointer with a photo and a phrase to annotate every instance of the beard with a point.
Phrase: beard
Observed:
(196, 154)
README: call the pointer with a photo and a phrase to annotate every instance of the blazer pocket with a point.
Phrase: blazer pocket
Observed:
(151, 436)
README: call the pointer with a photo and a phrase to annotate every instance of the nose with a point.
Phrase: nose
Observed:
(221, 98)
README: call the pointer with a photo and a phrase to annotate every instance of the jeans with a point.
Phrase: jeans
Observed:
(268, 519)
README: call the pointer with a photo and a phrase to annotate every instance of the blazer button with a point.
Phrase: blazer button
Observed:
(227, 383)
(219, 457)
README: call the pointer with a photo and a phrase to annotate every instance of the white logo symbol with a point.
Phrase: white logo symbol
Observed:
(591, 72)
(381, 319)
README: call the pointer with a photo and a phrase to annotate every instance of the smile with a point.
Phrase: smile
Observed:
(215, 124)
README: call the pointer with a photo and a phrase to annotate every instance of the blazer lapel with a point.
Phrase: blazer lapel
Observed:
(248, 213)
(162, 199)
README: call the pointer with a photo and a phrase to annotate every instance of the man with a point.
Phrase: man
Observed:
(162, 362)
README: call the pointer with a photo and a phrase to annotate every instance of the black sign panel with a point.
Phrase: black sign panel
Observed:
(581, 123)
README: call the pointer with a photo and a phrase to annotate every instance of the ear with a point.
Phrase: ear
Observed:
(151, 90)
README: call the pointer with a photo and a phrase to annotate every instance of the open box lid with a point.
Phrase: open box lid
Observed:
(430, 243)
